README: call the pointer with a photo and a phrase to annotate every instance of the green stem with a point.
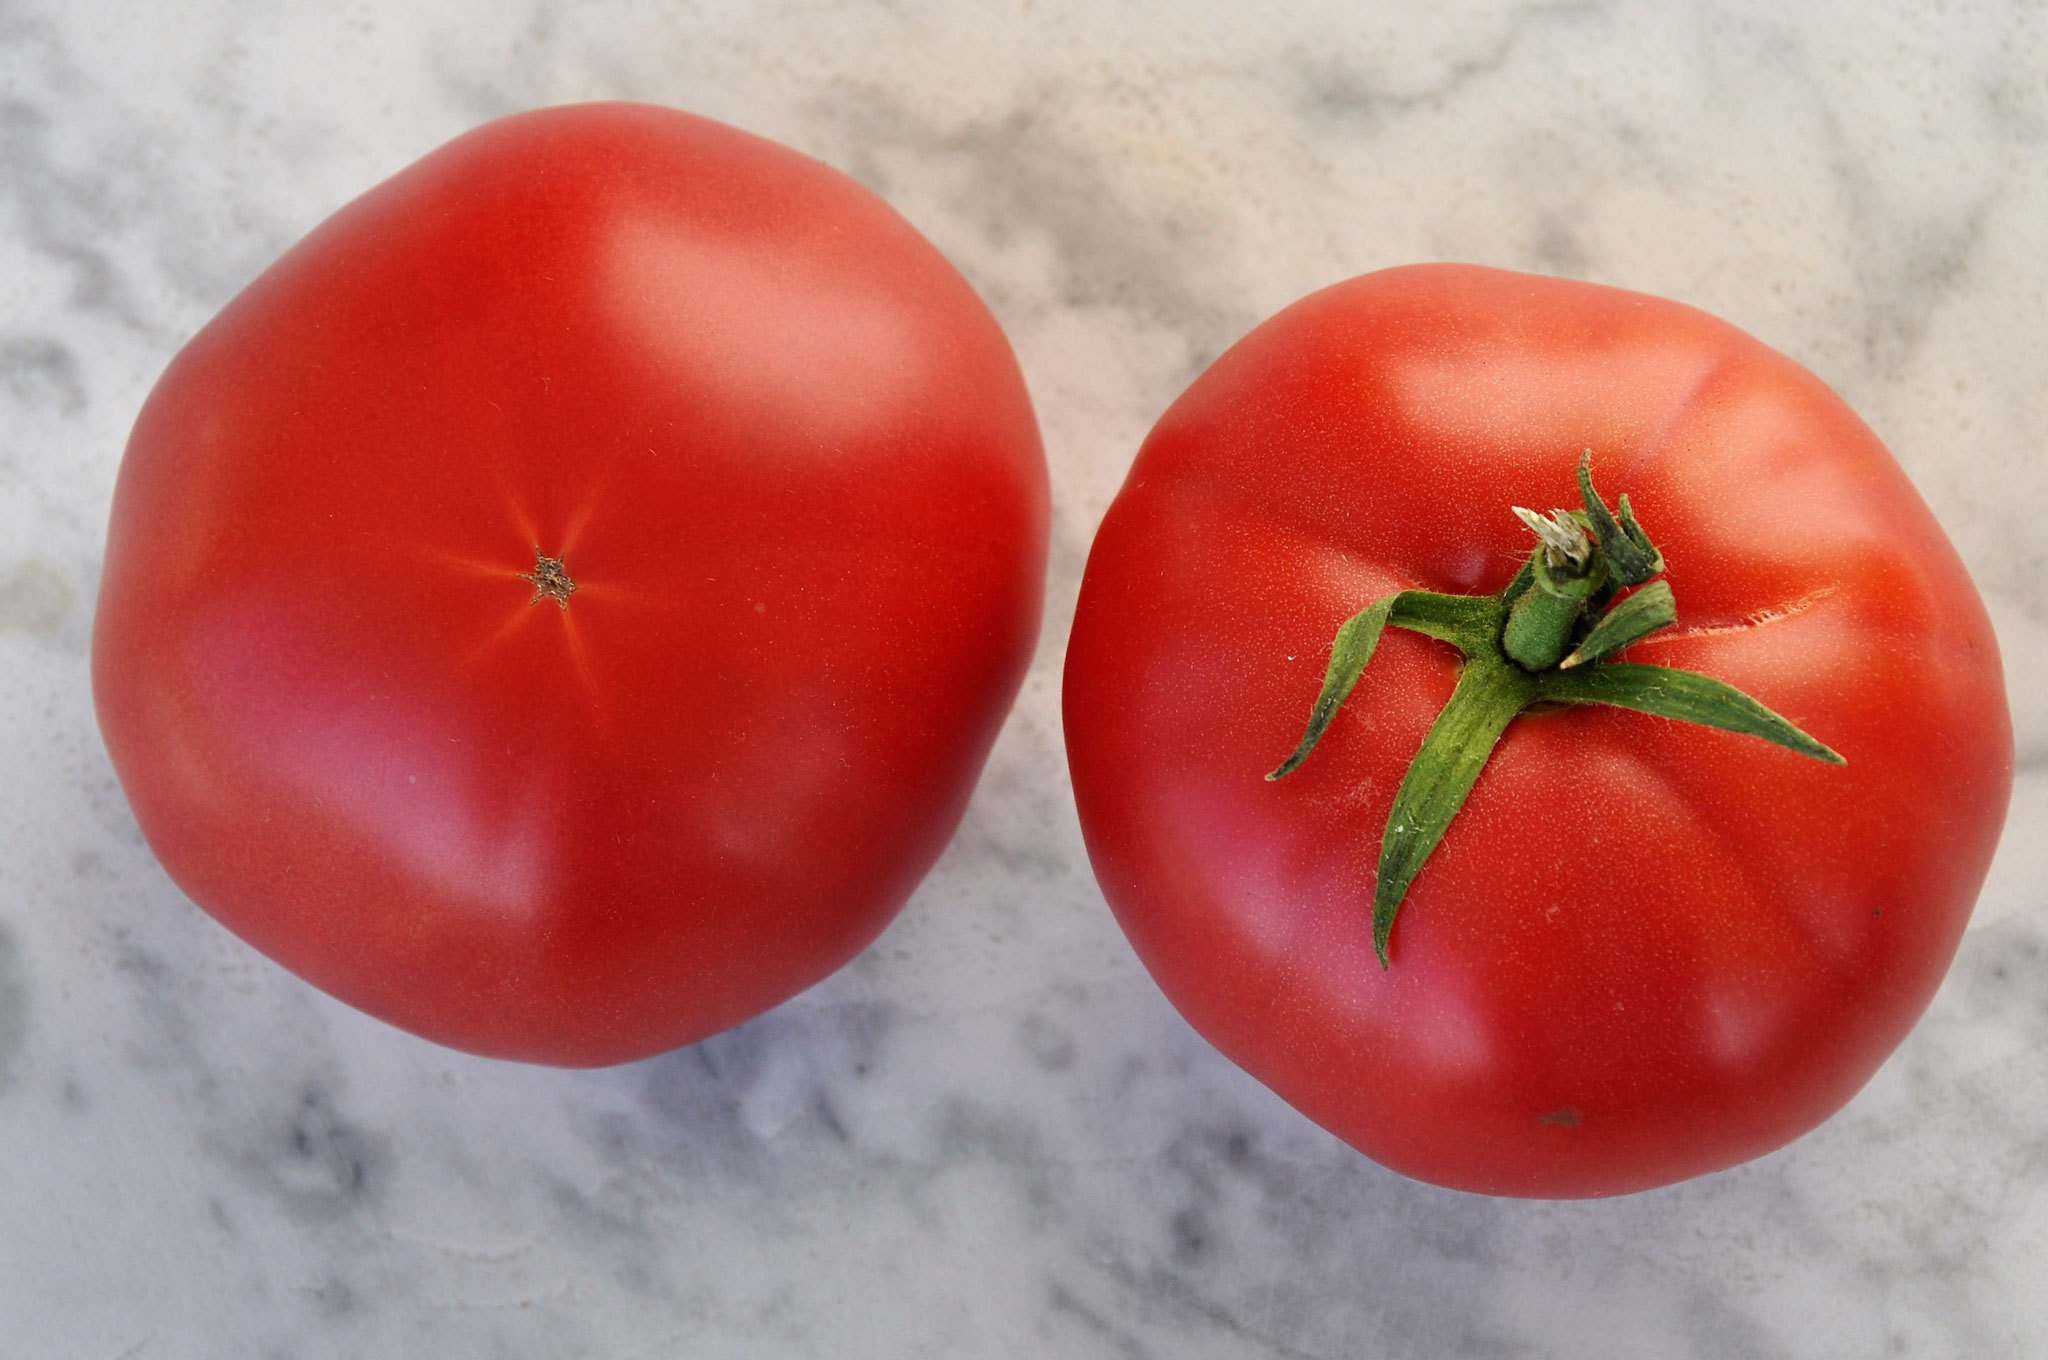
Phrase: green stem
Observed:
(1547, 637)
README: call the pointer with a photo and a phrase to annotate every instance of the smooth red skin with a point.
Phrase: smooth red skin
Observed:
(1644, 950)
(791, 464)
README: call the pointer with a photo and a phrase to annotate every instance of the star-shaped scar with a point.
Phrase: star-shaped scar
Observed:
(550, 580)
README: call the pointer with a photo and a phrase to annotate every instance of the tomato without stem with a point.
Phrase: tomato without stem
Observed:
(563, 605)
(1643, 949)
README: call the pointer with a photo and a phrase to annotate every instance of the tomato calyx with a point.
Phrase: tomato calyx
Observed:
(1547, 638)
(550, 580)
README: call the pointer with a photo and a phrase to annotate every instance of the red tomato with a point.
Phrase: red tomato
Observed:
(785, 459)
(1644, 950)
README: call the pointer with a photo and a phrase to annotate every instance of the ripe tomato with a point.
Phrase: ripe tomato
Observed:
(562, 606)
(1644, 949)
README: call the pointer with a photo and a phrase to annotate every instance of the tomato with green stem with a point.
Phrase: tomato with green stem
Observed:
(1625, 940)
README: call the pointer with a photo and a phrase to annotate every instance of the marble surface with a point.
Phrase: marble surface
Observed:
(990, 1136)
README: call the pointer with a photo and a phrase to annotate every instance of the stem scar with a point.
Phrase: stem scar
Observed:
(550, 580)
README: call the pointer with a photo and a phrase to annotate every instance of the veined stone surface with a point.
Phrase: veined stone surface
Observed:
(990, 1136)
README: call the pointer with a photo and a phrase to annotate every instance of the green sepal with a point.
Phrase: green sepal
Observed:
(1639, 537)
(1634, 619)
(1467, 622)
(1490, 693)
(1686, 696)
(1519, 651)
(1631, 557)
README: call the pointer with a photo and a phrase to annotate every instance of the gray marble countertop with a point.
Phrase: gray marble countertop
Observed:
(990, 1136)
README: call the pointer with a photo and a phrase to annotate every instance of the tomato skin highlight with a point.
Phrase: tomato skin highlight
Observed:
(1644, 950)
(785, 456)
